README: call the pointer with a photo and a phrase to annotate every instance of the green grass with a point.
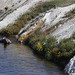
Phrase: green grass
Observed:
(63, 2)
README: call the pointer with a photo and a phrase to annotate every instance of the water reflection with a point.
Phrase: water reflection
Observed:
(5, 45)
(17, 59)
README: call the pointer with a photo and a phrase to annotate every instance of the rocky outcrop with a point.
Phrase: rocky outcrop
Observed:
(30, 28)
(11, 4)
(65, 30)
(8, 6)
(55, 15)
(50, 18)
(70, 67)
(62, 26)
(20, 10)
(5, 40)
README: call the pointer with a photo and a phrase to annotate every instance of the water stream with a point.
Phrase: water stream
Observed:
(18, 59)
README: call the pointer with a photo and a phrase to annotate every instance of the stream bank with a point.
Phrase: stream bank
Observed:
(18, 59)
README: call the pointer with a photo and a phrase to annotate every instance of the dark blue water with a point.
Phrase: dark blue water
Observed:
(18, 59)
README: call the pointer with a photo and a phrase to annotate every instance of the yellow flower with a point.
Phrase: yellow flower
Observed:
(39, 46)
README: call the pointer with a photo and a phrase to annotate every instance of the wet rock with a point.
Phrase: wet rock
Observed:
(5, 40)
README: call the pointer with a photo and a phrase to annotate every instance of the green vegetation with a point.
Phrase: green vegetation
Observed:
(41, 43)
(15, 28)
(50, 49)
(20, 23)
(73, 35)
(63, 2)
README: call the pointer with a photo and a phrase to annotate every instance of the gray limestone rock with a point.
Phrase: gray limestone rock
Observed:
(70, 67)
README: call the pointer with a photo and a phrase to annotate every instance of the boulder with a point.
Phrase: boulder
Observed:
(5, 40)
(70, 67)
